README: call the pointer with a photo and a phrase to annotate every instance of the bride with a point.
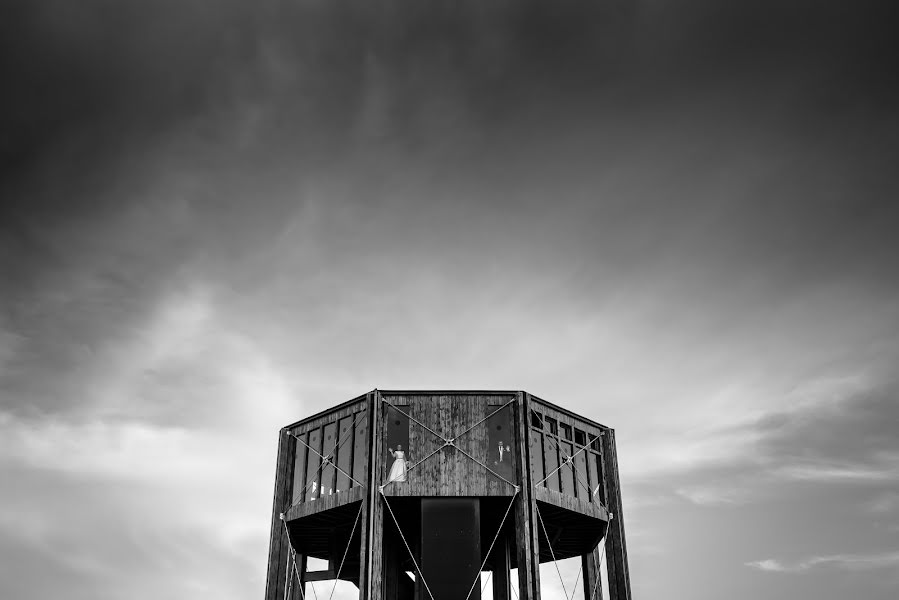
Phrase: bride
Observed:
(398, 470)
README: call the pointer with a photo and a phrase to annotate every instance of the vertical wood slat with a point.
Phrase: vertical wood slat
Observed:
(616, 548)
(279, 545)
(525, 507)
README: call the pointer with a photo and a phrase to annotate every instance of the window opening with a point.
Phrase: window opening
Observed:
(582, 485)
(552, 426)
(500, 443)
(397, 457)
(299, 469)
(313, 478)
(580, 438)
(551, 462)
(344, 453)
(536, 442)
(329, 444)
(567, 471)
(360, 449)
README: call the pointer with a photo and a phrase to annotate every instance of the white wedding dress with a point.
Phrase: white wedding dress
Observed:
(398, 470)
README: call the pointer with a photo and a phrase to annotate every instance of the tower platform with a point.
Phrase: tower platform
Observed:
(414, 494)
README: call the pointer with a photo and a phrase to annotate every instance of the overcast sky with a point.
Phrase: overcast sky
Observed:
(676, 217)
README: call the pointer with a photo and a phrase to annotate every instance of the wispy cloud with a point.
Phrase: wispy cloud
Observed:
(849, 562)
(878, 470)
(715, 494)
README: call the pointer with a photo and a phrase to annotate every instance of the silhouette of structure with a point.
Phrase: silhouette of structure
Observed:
(412, 495)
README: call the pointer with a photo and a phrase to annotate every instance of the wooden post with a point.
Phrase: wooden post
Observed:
(616, 548)
(279, 544)
(525, 508)
(372, 547)
(591, 566)
(297, 594)
(501, 568)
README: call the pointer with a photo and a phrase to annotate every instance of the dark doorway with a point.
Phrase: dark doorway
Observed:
(451, 546)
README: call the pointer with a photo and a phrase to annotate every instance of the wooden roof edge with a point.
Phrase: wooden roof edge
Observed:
(444, 392)
(328, 410)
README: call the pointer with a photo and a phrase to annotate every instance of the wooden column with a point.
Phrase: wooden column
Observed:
(525, 508)
(296, 593)
(616, 548)
(501, 568)
(372, 546)
(279, 545)
(591, 567)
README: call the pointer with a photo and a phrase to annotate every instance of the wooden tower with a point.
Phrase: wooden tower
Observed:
(411, 495)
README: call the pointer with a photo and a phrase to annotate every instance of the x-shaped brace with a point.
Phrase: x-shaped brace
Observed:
(450, 442)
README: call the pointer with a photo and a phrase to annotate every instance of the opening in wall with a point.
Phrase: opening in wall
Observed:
(397, 452)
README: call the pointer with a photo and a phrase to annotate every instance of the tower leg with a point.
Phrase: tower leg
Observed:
(525, 508)
(501, 569)
(591, 567)
(616, 548)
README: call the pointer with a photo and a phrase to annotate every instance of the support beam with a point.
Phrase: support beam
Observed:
(616, 548)
(279, 545)
(372, 565)
(525, 508)
(299, 586)
(501, 570)
(592, 568)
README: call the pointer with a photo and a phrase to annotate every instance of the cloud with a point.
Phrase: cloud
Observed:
(848, 562)
(667, 216)
(884, 503)
(714, 495)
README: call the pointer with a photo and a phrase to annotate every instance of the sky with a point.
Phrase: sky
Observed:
(675, 217)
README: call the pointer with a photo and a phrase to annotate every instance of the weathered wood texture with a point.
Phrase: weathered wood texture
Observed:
(325, 503)
(556, 435)
(573, 504)
(279, 544)
(339, 435)
(448, 471)
(501, 571)
(525, 510)
(591, 566)
(616, 548)
(298, 589)
(373, 557)
(354, 436)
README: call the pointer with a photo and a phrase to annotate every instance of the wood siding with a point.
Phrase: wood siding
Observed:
(586, 487)
(448, 472)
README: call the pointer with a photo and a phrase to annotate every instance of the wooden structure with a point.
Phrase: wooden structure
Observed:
(411, 495)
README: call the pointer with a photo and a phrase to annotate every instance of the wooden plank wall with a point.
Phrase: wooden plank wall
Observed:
(343, 425)
(549, 457)
(448, 472)
(291, 473)
(279, 545)
(616, 548)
